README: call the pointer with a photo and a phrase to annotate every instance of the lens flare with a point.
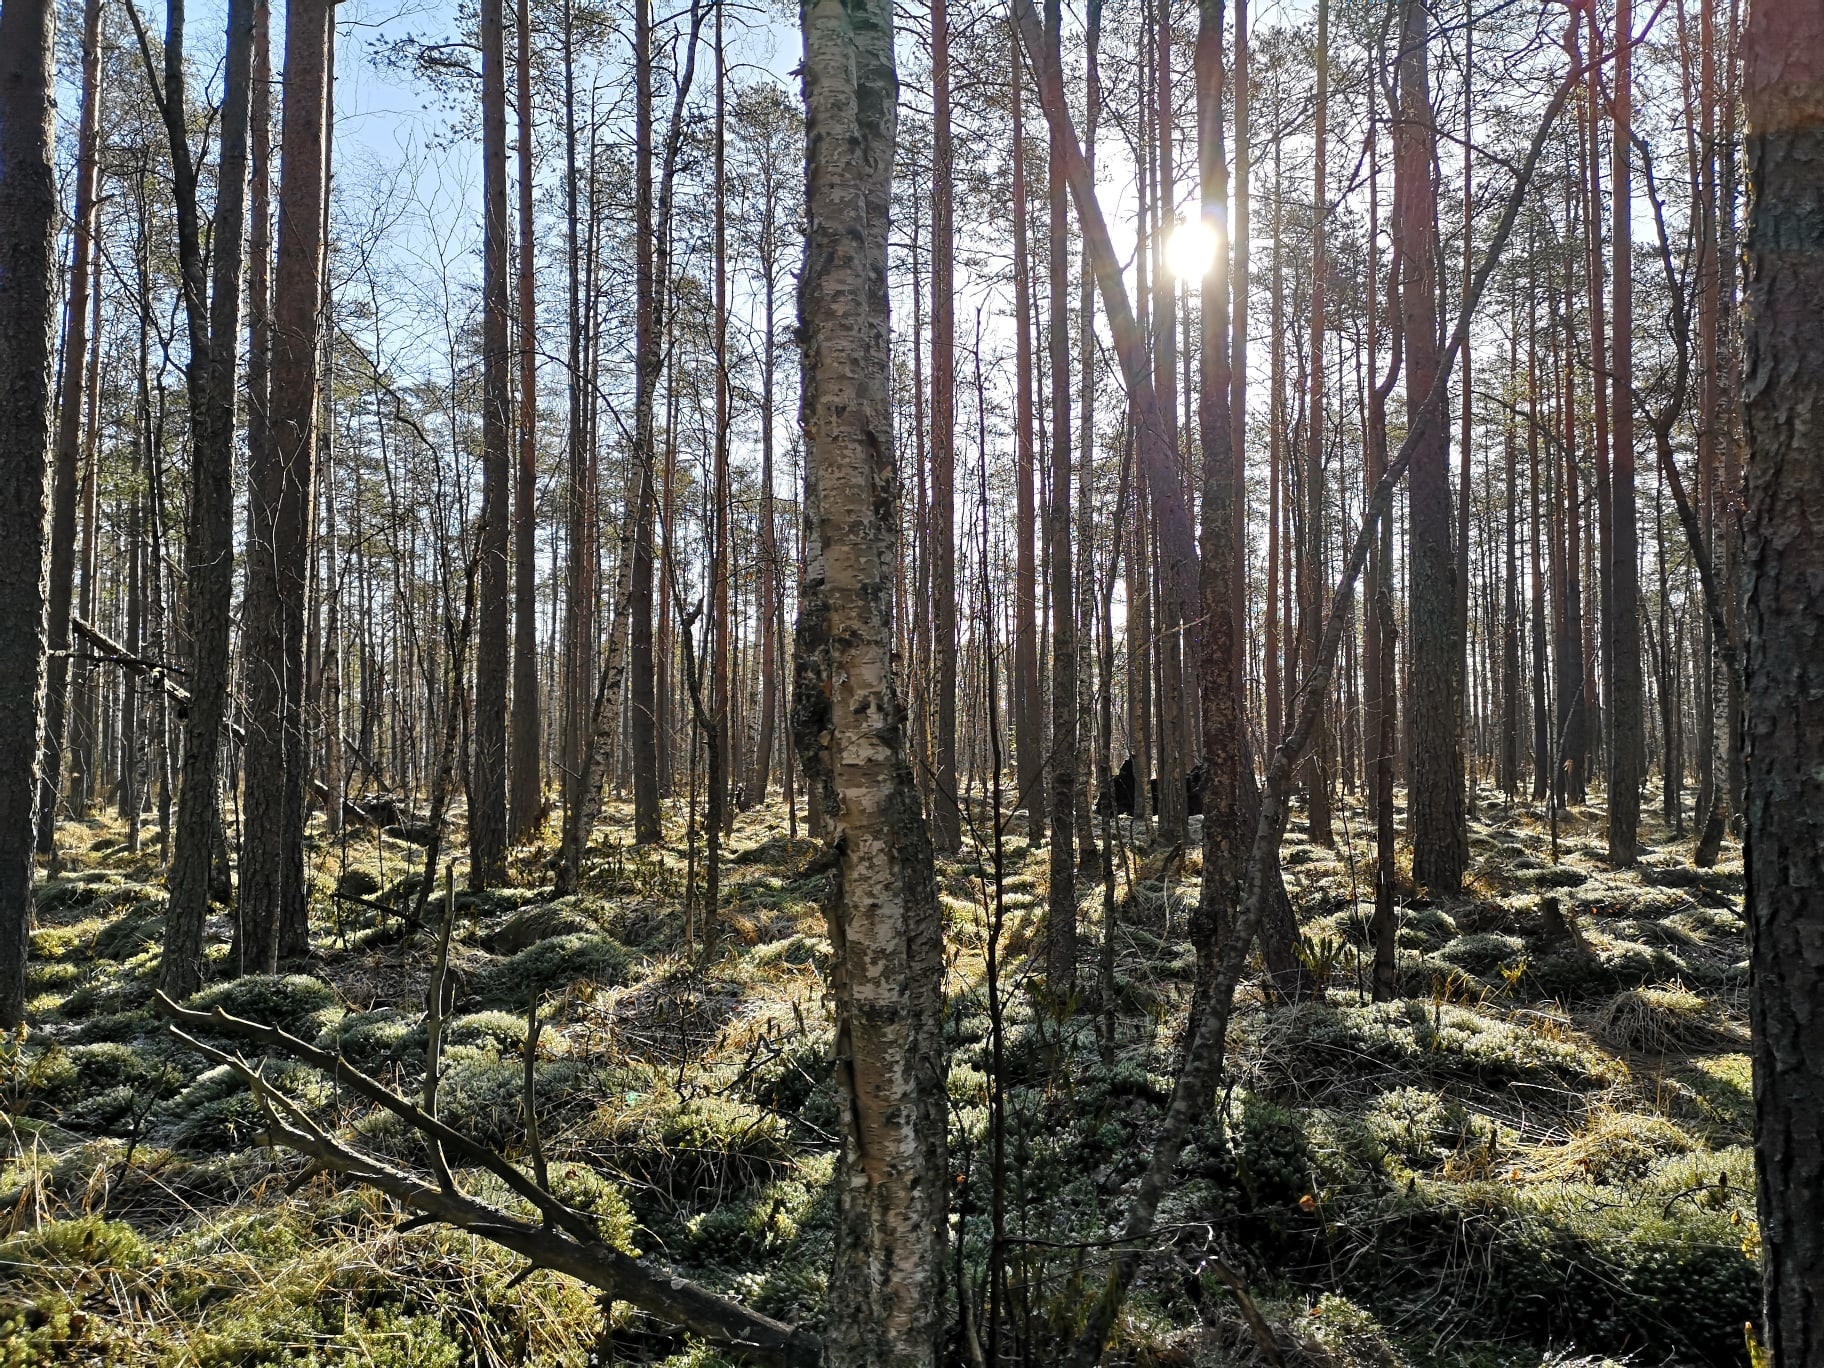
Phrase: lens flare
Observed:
(1191, 250)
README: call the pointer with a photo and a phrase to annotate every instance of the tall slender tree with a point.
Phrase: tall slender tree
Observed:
(72, 388)
(215, 326)
(1625, 738)
(1440, 836)
(28, 225)
(273, 906)
(525, 797)
(488, 779)
(1312, 583)
(1061, 910)
(1029, 727)
(946, 815)
(884, 919)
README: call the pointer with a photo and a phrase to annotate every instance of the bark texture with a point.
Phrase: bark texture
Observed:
(72, 385)
(1783, 393)
(1440, 836)
(488, 780)
(209, 551)
(272, 881)
(885, 926)
(28, 215)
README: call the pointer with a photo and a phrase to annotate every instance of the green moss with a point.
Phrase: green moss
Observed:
(59, 1248)
(1424, 1128)
(484, 1096)
(218, 1112)
(368, 1040)
(501, 1032)
(1717, 1090)
(540, 922)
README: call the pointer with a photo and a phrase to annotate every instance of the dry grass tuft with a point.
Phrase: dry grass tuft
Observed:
(1663, 1020)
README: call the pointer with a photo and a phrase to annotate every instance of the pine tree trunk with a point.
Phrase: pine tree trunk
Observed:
(1783, 622)
(1028, 724)
(946, 818)
(1225, 752)
(882, 908)
(488, 777)
(1625, 705)
(1174, 721)
(648, 365)
(1312, 581)
(209, 555)
(1087, 858)
(1061, 909)
(1440, 838)
(273, 893)
(72, 388)
(28, 217)
(525, 797)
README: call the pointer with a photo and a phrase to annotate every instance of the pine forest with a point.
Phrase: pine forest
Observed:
(847, 684)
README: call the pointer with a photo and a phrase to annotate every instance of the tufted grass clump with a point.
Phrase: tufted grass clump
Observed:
(295, 1003)
(540, 921)
(138, 929)
(701, 1148)
(1424, 1128)
(551, 966)
(1658, 1020)
(1431, 1039)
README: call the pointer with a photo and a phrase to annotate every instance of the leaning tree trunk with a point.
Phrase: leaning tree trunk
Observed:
(1783, 743)
(209, 555)
(885, 927)
(28, 216)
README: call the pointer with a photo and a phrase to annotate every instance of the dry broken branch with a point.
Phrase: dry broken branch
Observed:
(563, 1239)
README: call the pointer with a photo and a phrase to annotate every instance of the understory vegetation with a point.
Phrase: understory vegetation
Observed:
(1538, 1154)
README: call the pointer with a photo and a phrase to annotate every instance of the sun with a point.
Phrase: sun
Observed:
(1191, 250)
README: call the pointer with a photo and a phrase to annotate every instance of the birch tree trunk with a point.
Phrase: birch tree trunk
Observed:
(885, 926)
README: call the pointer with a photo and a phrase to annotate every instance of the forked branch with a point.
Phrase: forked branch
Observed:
(563, 1239)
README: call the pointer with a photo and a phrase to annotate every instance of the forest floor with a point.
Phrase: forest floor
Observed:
(1538, 1155)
